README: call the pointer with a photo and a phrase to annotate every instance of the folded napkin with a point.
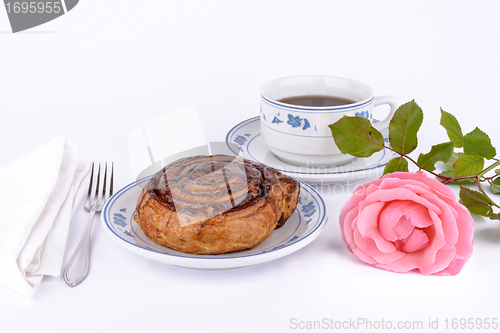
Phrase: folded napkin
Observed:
(38, 194)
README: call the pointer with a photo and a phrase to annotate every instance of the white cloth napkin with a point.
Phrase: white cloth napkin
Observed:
(38, 194)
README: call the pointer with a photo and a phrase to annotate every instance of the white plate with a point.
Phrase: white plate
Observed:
(302, 228)
(248, 137)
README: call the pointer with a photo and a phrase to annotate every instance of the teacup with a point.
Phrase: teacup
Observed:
(296, 111)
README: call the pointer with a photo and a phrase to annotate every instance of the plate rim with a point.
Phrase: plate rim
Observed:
(188, 261)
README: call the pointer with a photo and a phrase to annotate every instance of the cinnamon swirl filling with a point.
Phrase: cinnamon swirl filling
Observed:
(215, 204)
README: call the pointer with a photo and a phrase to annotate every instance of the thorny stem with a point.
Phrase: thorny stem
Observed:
(419, 168)
(488, 169)
(482, 173)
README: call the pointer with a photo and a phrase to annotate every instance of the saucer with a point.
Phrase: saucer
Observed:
(252, 146)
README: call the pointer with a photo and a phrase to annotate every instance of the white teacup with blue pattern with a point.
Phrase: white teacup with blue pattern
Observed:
(299, 134)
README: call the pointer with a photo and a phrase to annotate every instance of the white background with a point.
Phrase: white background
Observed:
(97, 72)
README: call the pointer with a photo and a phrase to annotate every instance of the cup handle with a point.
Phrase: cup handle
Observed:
(393, 103)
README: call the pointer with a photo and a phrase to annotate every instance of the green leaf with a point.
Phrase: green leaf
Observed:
(495, 186)
(356, 136)
(478, 143)
(461, 181)
(447, 173)
(475, 201)
(404, 126)
(453, 129)
(453, 158)
(494, 216)
(440, 152)
(396, 164)
(468, 165)
(450, 173)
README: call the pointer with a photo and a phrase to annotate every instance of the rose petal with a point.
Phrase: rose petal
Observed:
(449, 224)
(465, 225)
(409, 184)
(347, 228)
(396, 209)
(361, 254)
(419, 217)
(367, 223)
(358, 195)
(369, 247)
(405, 194)
(423, 178)
(436, 237)
(368, 217)
(453, 268)
(403, 228)
(416, 260)
(417, 187)
(372, 198)
(443, 260)
(407, 263)
(392, 224)
(374, 186)
(416, 241)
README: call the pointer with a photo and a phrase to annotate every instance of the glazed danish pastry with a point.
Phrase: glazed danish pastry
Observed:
(215, 204)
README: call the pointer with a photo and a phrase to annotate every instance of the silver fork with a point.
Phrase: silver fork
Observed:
(96, 198)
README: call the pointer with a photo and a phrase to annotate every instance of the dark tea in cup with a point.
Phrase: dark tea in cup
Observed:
(317, 101)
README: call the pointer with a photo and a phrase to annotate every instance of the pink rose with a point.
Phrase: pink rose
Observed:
(407, 221)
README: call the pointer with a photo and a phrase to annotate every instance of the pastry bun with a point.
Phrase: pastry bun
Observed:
(215, 204)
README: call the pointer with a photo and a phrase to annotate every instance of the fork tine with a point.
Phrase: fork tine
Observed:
(111, 180)
(87, 200)
(104, 183)
(96, 196)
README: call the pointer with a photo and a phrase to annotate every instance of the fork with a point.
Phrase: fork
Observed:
(96, 198)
